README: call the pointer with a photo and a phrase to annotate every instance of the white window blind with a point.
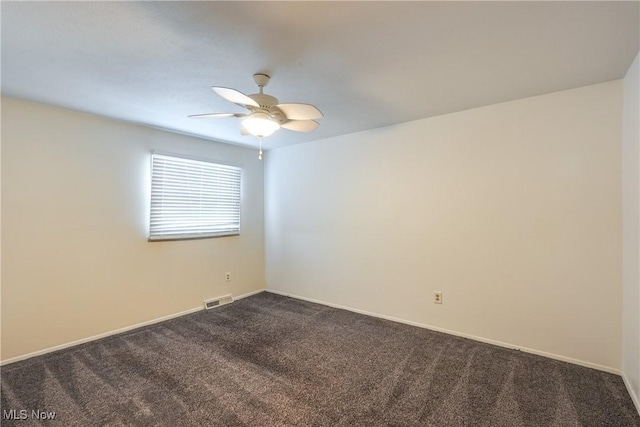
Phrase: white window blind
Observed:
(193, 198)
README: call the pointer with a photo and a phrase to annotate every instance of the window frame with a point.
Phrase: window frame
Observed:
(159, 237)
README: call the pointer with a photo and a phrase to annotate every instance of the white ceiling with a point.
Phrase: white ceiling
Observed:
(364, 64)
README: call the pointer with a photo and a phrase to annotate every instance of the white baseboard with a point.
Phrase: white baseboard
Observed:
(634, 396)
(458, 334)
(248, 294)
(117, 331)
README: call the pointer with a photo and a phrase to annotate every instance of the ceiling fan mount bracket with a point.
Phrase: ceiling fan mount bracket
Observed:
(261, 79)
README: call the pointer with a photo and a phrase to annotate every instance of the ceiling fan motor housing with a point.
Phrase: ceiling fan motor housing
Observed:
(264, 101)
(267, 105)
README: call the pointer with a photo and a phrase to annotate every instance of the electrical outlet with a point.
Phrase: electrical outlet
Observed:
(437, 297)
(227, 277)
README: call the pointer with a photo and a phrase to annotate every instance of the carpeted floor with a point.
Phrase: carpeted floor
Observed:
(268, 360)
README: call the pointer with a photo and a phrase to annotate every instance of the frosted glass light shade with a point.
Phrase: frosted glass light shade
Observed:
(260, 125)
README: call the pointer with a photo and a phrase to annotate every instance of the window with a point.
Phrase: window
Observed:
(193, 198)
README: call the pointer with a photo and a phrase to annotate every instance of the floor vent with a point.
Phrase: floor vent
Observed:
(215, 302)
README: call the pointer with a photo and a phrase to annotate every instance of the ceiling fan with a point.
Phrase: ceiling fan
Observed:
(266, 115)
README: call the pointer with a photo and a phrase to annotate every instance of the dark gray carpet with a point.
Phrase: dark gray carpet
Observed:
(268, 360)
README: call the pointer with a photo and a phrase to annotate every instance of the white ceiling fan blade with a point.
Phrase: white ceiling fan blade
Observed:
(300, 111)
(216, 115)
(234, 96)
(301, 125)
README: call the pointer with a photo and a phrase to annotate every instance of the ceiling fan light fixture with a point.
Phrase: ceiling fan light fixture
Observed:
(260, 125)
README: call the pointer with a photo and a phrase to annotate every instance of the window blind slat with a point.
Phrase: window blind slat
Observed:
(193, 198)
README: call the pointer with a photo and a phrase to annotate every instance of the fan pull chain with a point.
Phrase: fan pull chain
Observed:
(260, 153)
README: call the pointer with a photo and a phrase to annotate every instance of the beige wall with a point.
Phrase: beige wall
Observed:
(75, 259)
(513, 211)
(631, 231)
